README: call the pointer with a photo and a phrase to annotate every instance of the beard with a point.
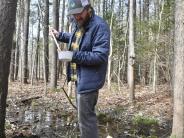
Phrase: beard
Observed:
(83, 21)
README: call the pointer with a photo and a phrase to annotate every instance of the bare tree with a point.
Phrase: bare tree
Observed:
(62, 64)
(18, 36)
(104, 8)
(178, 120)
(25, 40)
(7, 23)
(46, 39)
(34, 70)
(12, 67)
(131, 54)
(37, 55)
(110, 54)
(63, 16)
(54, 50)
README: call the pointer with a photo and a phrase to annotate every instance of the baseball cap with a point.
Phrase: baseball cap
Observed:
(77, 6)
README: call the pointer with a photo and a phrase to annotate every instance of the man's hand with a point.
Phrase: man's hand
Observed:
(65, 55)
(54, 32)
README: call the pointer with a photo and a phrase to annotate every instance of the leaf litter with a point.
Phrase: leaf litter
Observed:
(114, 110)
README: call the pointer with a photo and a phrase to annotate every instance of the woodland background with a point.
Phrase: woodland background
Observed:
(146, 48)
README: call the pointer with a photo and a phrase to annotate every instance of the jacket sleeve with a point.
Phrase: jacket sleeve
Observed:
(64, 37)
(100, 48)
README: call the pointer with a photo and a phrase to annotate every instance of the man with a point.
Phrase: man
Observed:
(88, 49)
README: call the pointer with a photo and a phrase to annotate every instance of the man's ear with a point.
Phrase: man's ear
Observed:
(89, 10)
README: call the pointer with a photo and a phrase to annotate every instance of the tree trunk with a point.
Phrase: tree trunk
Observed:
(31, 57)
(46, 40)
(110, 55)
(156, 49)
(18, 36)
(146, 10)
(104, 8)
(25, 40)
(178, 118)
(37, 55)
(171, 51)
(54, 49)
(7, 23)
(34, 70)
(92, 3)
(62, 64)
(99, 8)
(131, 54)
(63, 16)
(12, 67)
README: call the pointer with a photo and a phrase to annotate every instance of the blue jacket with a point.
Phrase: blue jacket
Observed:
(92, 57)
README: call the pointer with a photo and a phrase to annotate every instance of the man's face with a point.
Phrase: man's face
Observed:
(82, 18)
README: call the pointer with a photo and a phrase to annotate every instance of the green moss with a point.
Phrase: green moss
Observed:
(104, 118)
(143, 120)
(145, 126)
(34, 103)
(173, 136)
(8, 126)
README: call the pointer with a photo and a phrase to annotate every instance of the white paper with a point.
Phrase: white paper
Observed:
(65, 55)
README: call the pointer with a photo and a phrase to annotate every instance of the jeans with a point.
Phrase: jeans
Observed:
(86, 114)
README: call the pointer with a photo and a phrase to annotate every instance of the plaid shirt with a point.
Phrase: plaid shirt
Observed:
(75, 47)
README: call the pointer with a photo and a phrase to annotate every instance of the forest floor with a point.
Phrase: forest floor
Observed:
(31, 113)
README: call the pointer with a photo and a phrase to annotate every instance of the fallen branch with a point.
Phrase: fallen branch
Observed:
(29, 99)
